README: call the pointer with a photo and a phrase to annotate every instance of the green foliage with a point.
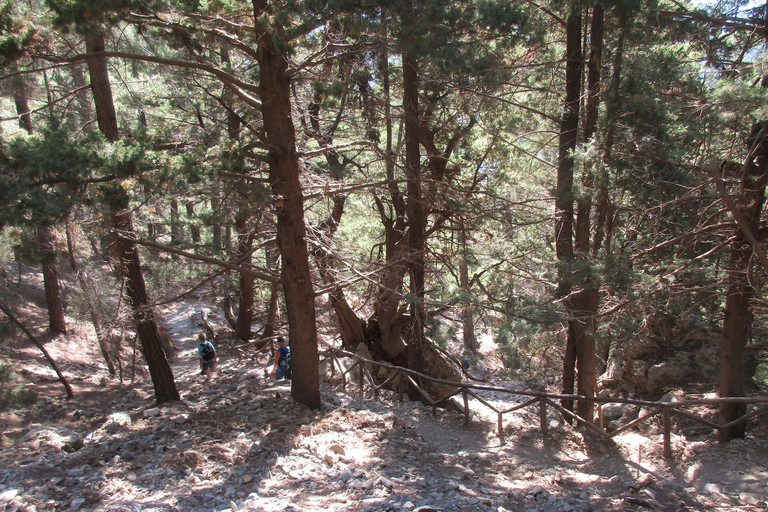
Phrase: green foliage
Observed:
(761, 375)
(14, 395)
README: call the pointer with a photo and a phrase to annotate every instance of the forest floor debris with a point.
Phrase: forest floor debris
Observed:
(239, 442)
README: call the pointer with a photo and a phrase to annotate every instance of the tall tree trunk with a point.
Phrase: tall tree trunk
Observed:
(417, 218)
(143, 315)
(284, 173)
(386, 312)
(46, 243)
(738, 314)
(564, 194)
(46, 235)
(245, 235)
(587, 297)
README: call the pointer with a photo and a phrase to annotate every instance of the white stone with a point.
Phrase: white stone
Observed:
(9, 494)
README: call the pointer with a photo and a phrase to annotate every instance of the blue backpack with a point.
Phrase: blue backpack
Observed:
(284, 363)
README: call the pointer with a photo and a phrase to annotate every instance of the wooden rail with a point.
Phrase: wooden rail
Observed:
(543, 400)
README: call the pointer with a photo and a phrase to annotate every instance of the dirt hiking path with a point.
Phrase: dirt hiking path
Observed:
(239, 442)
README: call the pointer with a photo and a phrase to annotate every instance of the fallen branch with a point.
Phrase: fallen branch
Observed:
(53, 364)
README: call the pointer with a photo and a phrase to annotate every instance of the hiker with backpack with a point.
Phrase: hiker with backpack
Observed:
(206, 354)
(282, 369)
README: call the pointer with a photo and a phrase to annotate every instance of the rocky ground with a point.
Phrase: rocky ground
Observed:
(239, 442)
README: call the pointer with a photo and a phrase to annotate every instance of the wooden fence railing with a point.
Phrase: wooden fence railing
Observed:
(543, 400)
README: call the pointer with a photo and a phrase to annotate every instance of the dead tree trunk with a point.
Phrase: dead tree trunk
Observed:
(90, 300)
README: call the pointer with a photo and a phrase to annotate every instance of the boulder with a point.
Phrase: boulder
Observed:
(669, 353)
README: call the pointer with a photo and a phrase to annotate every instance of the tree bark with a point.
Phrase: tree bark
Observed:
(564, 214)
(740, 291)
(586, 299)
(417, 219)
(275, 88)
(273, 310)
(143, 315)
(245, 235)
(46, 243)
(46, 235)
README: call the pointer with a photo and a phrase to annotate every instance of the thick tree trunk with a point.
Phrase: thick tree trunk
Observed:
(587, 297)
(738, 315)
(46, 235)
(417, 217)
(143, 315)
(46, 243)
(284, 173)
(564, 214)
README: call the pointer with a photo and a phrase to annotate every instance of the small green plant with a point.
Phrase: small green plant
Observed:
(761, 375)
(13, 395)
